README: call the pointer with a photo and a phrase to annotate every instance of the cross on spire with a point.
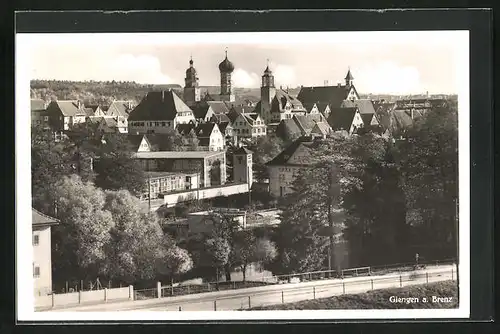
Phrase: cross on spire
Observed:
(226, 51)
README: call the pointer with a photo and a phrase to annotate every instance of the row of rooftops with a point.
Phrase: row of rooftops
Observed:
(76, 108)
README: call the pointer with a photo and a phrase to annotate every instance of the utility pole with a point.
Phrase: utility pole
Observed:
(330, 217)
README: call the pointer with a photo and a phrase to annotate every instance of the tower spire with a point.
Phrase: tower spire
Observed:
(226, 52)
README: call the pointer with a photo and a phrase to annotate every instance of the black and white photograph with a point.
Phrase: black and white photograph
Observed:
(185, 176)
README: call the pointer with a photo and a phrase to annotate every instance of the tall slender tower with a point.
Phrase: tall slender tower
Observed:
(192, 92)
(349, 78)
(226, 68)
(267, 93)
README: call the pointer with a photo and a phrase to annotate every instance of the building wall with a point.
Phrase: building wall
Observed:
(171, 200)
(242, 128)
(356, 123)
(281, 179)
(42, 259)
(216, 140)
(191, 95)
(267, 95)
(143, 127)
(352, 94)
(242, 168)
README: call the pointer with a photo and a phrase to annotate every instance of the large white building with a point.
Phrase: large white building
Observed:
(159, 112)
(284, 168)
(42, 252)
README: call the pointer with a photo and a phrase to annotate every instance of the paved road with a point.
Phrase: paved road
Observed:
(276, 294)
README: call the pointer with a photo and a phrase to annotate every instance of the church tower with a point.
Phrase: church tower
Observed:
(226, 68)
(267, 93)
(242, 166)
(192, 92)
(349, 78)
(350, 90)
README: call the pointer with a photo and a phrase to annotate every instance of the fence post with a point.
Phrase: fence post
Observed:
(400, 281)
(188, 289)
(314, 292)
(372, 283)
(80, 297)
(427, 277)
(452, 274)
(343, 288)
(105, 294)
(282, 297)
(131, 292)
(234, 285)
(180, 309)
(215, 305)
(53, 296)
(249, 303)
(158, 289)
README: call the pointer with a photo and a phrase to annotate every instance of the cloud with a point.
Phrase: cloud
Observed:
(105, 65)
(387, 77)
(284, 75)
(144, 69)
(244, 79)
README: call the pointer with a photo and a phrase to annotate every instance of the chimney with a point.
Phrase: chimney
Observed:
(325, 83)
(338, 84)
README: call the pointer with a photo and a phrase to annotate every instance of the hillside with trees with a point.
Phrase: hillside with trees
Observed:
(103, 92)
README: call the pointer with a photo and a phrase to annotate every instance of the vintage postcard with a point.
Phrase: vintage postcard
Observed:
(206, 176)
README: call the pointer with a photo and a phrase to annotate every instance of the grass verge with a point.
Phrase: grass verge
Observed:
(381, 299)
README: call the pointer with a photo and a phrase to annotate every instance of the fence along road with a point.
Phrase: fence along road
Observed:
(278, 293)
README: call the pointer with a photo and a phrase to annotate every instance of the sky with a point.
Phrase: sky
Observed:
(381, 62)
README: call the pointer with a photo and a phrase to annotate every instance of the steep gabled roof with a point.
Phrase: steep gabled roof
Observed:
(204, 129)
(368, 119)
(119, 108)
(233, 115)
(280, 100)
(306, 122)
(365, 106)
(200, 111)
(321, 128)
(223, 126)
(341, 118)
(332, 95)
(40, 219)
(160, 106)
(242, 150)
(306, 144)
(288, 128)
(37, 105)
(220, 118)
(219, 107)
(185, 129)
(135, 141)
(89, 112)
(68, 108)
(401, 120)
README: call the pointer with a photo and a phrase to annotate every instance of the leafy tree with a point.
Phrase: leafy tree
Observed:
(218, 250)
(48, 164)
(249, 249)
(173, 260)
(429, 162)
(264, 149)
(116, 168)
(80, 239)
(376, 230)
(191, 142)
